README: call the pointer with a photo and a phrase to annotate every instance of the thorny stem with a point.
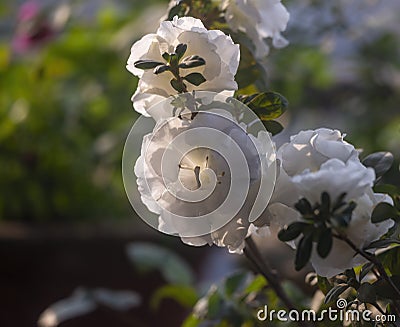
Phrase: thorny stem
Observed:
(252, 253)
(372, 258)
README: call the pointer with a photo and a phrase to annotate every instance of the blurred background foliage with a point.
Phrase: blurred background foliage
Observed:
(65, 105)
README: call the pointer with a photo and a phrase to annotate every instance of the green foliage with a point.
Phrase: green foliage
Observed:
(380, 161)
(147, 257)
(317, 226)
(64, 115)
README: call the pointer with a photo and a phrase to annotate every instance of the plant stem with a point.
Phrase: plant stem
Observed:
(372, 258)
(252, 253)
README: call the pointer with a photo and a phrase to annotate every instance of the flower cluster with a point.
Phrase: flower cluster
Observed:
(323, 199)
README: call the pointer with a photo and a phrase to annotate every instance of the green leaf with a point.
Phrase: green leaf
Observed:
(256, 285)
(303, 253)
(334, 293)
(184, 295)
(380, 162)
(179, 87)
(304, 207)
(382, 212)
(161, 69)
(166, 56)
(382, 244)
(195, 78)
(191, 321)
(366, 293)
(192, 62)
(272, 126)
(365, 269)
(268, 105)
(234, 283)
(146, 257)
(325, 242)
(385, 291)
(180, 50)
(292, 231)
(147, 64)
(324, 285)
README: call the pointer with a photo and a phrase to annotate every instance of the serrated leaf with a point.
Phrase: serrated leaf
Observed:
(325, 242)
(195, 78)
(268, 105)
(180, 50)
(272, 126)
(292, 231)
(382, 212)
(366, 293)
(303, 252)
(380, 162)
(381, 244)
(184, 295)
(147, 64)
(334, 293)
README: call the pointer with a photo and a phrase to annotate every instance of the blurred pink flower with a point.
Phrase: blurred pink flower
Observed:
(33, 28)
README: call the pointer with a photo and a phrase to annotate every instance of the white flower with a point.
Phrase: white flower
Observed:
(317, 161)
(354, 179)
(259, 19)
(221, 57)
(309, 149)
(206, 173)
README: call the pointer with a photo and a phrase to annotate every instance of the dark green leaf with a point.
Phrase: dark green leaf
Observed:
(325, 242)
(268, 105)
(325, 202)
(381, 244)
(380, 161)
(191, 62)
(365, 269)
(366, 293)
(195, 78)
(177, 86)
(382, 212)
(184, 295)
(147, 64)
(304, 207)
(215, 305)
(334, 293)
(161, 69)
(180, 50)
(303, 253)
(385, 291)
(273, 126)
(292, 231)
(324, 285)
(166, 56)
(339, 202)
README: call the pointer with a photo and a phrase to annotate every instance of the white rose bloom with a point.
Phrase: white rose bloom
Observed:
(193, 171)
(320, 161)
(221, 57)
(259, 19)
(354, 179)
(309, 149)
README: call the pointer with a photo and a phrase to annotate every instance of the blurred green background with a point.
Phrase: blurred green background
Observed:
(65, 105)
